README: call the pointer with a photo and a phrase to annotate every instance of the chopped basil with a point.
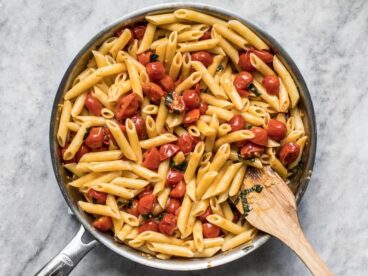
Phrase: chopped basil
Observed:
(243, 197)
(169, 99)
(147, 216)
(257, 188)
(160, 216)
(254, 89)
(219, 68)
(180, 167)
(124, 203)
(86, 134)
(154, 57)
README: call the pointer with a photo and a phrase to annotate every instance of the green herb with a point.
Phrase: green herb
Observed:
(147, 216)
(219, 68)
(124, 203)
(254, 89)
(86, 134)
(243, 197)
(180, 167)
(169, 99)
(257, 188)
(154, 57)
(160, 216)
(249, 126)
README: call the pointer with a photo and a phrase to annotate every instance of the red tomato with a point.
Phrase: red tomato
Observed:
(272, 84)
(127, 106)
(82, 151)
(95, 138)
(206, 35)
(203, 217)
(264, 55)
(167, 225)
(204, 57)
(185, 143)
(150, 225)
(145, 57)
(100, 197)
(62, 151)
(151, 159)
(203, 108)
(93, 105)
(133, 210)
(139, 31)
(260, 136)
(237, 122)
(140, 126)
(242, 81)
(167, 83)
(146, 191)
(103, 223)
(172, 206)
(146, 204)
(153, 91)
(107, 136)
(155, 70)
(174, 177)
(179, 190)
(244, 62)
(168, 150)
(289, 153)
(177, 104)
(191, 99)
(250, 150)
(192, 116)
(210, 230)
(276, 129)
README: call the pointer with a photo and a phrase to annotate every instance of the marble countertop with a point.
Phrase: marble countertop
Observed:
(328, 41)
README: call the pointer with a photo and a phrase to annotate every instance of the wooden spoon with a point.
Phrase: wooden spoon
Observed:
(273, 210)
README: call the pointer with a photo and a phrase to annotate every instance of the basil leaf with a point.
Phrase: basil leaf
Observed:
(219, 68)
(147, 216)
(154, 57)
(254, 89)
(180, 167)
(86, 134)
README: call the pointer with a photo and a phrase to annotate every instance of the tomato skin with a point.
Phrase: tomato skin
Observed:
(103, 223)
(153, 91)
(185, 143)
(242, 82)
(144, 58)
(100, 197)
(174, 177)
(264, 55)
(93, 105)
(244, 62)
(237, 122)
(95, 138)
(192, 116)
(151, 159)
(179, 190)
(276, 129)
(289, 153)
(146, 204)
(168, 150)
(139, 31)
(272, 84)
(167, 225)
(203, 108)
(150, 225)
(206, 35)
(172, 205)
(203, 217)
(134, 209)
(210, 230)
(155, 70)
(82, 151)
(167, 83)
(177, 103)
(260, 136)
(127, 106)
(140, 126)
(204, 57)
(191, 99)
(250, 150)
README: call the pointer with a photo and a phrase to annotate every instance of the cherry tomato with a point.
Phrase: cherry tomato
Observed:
(204, 57)
(237, 122)
(177, 104)
(127, 106)
(100, 197)
(203, 217)
(139, 31)
(206, 35)
(210, 230)
(167, 83)
(62, 151)
(145, 57)
(155, 70)
(264, 55)
(107, 136)
(172, 206)
(250, 150)
(82, 151)
(93, 105)
(140, 126)
(146, 191)
(95, 138)
(191, 99)
(179, 190)
(260, 136)
(153, 91)
(192, 116)
(185, 143)
(244, 62)
(174, 177)
(150, 225)
(133, 210)
(276, 129)
(289, 153)
(103, 223)
(203, 108)
(242, 81)
(151, 159)
(167, 225)
(272, 84)
(168, 150)
(146, 204)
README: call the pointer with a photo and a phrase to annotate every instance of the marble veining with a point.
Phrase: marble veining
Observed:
(328, 41)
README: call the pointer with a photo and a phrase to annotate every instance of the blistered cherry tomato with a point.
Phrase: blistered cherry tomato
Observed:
(244, 62)
(289, 153)
(107, 136)
(168, 150)
(191, 99)
(146, 191)
(276, 129)
(179, 190)
(95, 138)
(192, 116)
(155, 70)
(237, 122)
(144, 57)
(62, 151)
(203, 217)
(150, 225)
(272, 84)
(103, 223)
(203, 108)
(242, 81)
(133, 210)
(167, 83)
(151, 159)
(204, 57)
(139, 31)
(82, 151)
(100, 197)
(206, 35)
(260, 136)
(264, 55)
(177, 103)
(140, 126)
(172, 206)
(127, 106)
(250, 150)
(153, 91)
(93, 105)
(174, 177)
(167, 225)
(210, 230)
(146, 204)
(185, 143)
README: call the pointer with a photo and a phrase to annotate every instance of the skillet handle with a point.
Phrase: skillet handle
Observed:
(64, 262)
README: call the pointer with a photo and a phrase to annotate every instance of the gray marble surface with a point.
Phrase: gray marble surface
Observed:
(328, 41)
